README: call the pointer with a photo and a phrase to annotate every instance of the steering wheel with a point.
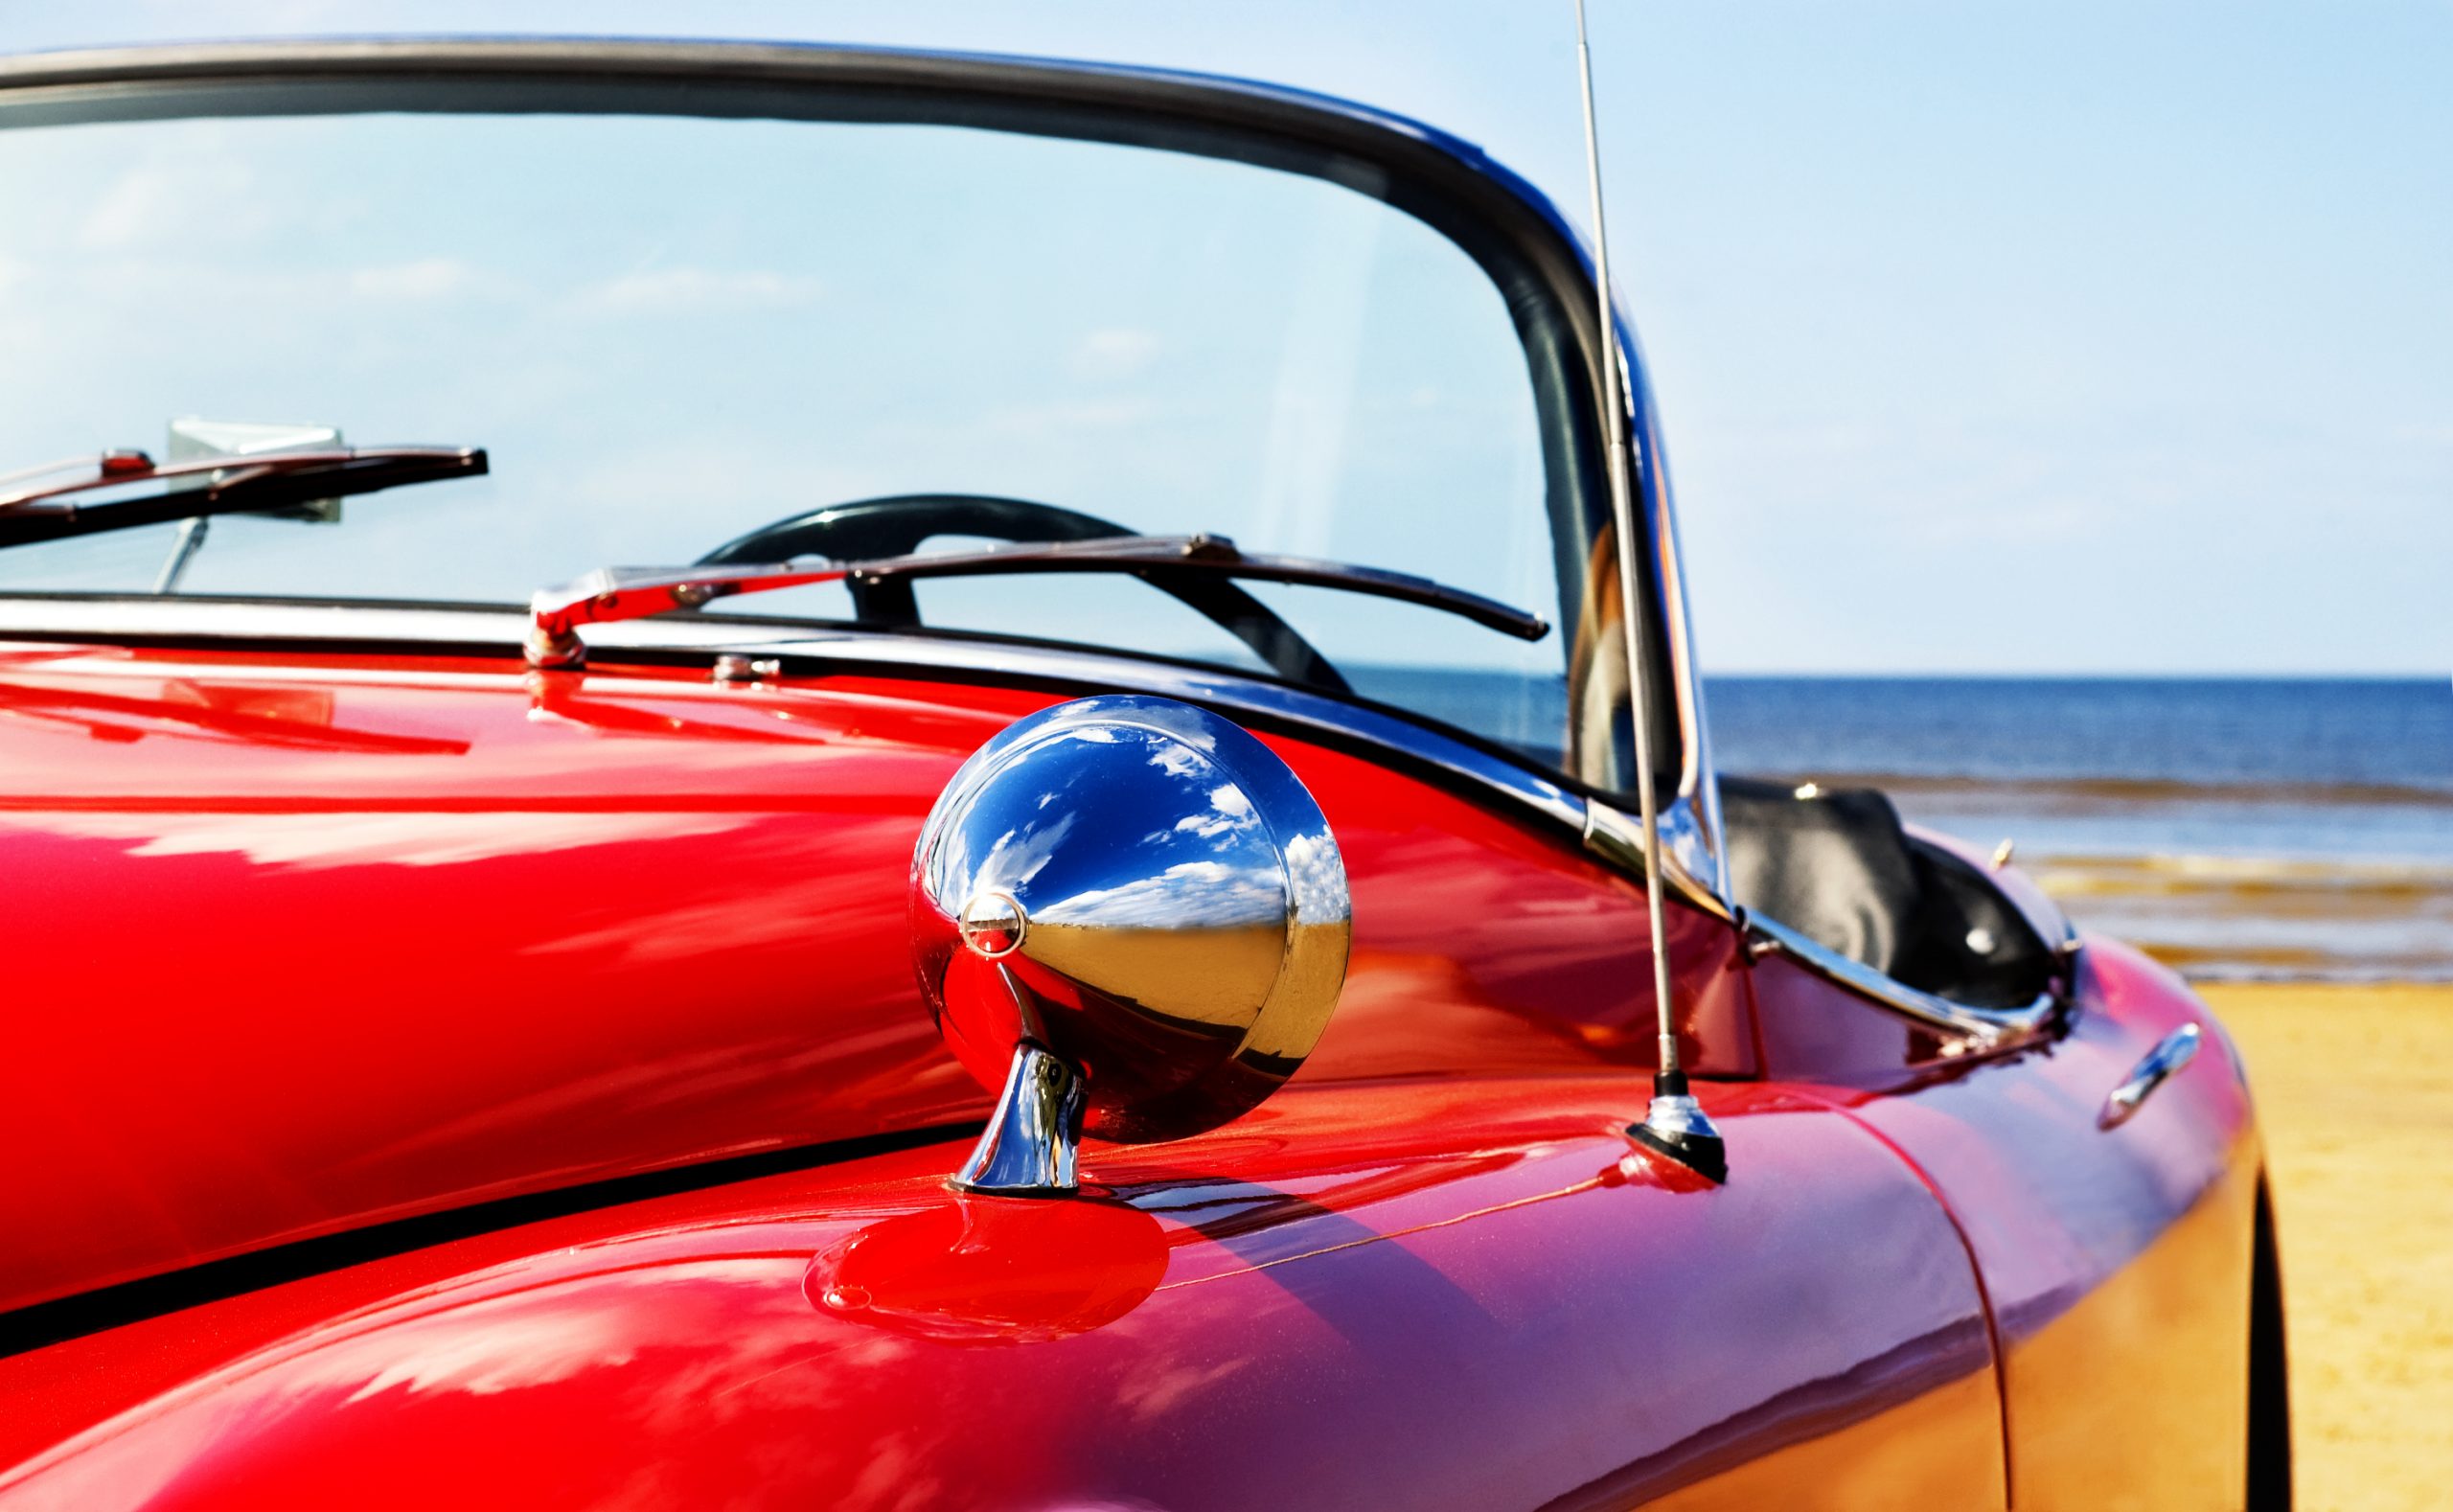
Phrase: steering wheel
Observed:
(896, 525)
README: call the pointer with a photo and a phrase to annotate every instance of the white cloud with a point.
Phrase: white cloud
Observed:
(1230, 811)
(1205, 893)
(1318, 873)
(1118, 352)
(132, 209)
(427, 278)
(1020, 855)
(174, 200)
(1176, 761)
(694, 291)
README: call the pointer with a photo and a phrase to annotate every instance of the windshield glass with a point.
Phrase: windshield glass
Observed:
(669, 332)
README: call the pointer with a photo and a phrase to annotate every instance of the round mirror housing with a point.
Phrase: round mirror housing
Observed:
(1127, 917)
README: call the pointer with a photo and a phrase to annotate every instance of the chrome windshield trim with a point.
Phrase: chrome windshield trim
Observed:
(1618, 837)
(1698, 776)
(1984, 1029)
(488, 630)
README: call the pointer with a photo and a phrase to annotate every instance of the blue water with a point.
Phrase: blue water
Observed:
(2296, 733)
(2236, 828)
(2303, 769)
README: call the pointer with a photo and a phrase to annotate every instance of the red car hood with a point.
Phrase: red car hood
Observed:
(309, 943)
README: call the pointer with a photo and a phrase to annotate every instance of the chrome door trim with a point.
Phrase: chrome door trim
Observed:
(1981, 1028)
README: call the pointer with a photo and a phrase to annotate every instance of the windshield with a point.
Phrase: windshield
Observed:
(668, 332)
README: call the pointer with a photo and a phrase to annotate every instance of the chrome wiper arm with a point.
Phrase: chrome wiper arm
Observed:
(270, 481)
(611, 594)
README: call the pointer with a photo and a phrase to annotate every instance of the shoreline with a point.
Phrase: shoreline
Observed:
(2264, 919)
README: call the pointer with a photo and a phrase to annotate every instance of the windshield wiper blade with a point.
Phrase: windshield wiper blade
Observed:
(610, 594)
(231, 485)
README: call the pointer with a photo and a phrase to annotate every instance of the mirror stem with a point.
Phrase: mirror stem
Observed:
(1030, 1146)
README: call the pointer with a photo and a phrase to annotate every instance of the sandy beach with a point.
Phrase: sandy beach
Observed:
(2354, 1085)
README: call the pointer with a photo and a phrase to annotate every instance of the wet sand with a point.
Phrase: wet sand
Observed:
(2355, 1085)
(2249, 918)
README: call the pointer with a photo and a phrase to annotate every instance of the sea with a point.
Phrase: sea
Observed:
(2235, 828)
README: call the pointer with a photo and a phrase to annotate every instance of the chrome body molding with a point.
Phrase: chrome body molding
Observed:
(2153, 1069)
(1690, 857)
(1981, 1028)
(201, 618)
(786, 649)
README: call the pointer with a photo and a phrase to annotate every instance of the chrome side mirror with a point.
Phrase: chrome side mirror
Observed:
(1129, 916)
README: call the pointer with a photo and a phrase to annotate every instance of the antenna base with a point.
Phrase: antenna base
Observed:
(1677, 1127)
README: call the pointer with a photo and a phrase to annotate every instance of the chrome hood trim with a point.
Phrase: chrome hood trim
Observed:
(445, 629)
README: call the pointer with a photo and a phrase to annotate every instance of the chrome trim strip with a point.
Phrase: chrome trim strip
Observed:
(471, 629)
(1698, 777)
(1988, 1029)
(1618, 838)
(202, 616)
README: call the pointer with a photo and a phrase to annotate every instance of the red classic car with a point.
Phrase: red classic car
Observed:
(1140, 916)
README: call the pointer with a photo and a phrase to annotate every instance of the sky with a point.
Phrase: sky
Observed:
(2093, 338)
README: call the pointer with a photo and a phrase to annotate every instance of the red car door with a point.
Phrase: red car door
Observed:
(2114, 1244)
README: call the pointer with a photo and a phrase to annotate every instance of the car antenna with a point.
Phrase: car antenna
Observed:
(1676, 1124)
